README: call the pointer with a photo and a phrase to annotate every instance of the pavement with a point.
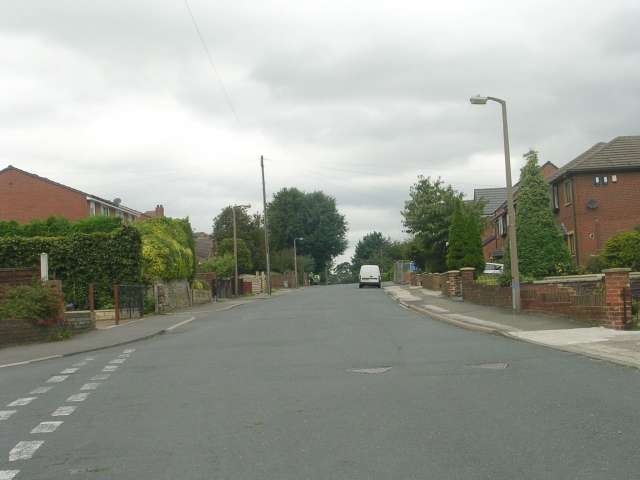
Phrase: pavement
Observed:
(107, 334)
(575, 336)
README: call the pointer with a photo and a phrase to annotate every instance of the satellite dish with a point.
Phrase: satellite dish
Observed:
(117, 201)
(592, 204)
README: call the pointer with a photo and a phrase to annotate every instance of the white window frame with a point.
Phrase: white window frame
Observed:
(571, 242)
(104, 210)
(92, 209)
(568, 193)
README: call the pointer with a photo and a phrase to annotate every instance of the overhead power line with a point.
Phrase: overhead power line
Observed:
(216, 72)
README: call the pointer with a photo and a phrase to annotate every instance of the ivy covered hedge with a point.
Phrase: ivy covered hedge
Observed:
(100, 250)
(168, 249)
(103, 259)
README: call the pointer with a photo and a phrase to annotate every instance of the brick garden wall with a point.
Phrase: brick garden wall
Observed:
(20, 332)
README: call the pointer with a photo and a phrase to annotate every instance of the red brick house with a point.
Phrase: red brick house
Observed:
(25, 196)
(593, 197)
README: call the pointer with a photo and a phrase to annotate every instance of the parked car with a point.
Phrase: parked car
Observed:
(492, 269)
(369, 275)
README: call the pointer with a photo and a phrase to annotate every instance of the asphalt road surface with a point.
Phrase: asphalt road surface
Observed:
(279, 389)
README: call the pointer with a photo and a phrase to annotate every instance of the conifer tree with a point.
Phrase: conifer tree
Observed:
(457, 237)
(542, 250)
(474, 255)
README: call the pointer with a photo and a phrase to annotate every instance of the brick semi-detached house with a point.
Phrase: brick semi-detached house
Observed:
(593, 197)
(25, 196)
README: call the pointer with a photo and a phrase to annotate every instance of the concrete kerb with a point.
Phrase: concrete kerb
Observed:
(574, 351)
(442, 318)
(164, 331)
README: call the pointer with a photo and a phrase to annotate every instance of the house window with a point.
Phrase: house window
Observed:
(92, 209)
(568, 198)
(119, 214)
(104, 210)
(553, 193)
(571, 243)
(502, 226)
(130, 218)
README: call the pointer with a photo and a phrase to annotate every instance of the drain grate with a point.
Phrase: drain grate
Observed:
(490, 366)
(369, 370)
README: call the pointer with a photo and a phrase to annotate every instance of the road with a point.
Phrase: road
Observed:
(278, 389)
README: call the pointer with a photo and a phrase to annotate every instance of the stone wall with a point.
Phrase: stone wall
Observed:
(172, 294)
(201, 296)
(20, 332)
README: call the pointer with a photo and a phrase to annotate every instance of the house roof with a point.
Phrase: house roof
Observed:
(204, 245)
(621, 153)
(88, 195)
(493, 196)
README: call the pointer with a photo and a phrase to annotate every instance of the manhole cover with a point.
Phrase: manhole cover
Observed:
(490, 366)
(369, 370)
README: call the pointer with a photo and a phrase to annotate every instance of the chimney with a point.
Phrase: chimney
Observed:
(160, 211)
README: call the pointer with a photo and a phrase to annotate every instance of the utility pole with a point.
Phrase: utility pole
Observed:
(266, 228)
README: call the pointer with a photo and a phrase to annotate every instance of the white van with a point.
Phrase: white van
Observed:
(369, 275)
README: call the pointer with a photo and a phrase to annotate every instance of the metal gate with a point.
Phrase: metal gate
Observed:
(222, 288)
(630, 319)
(400, 267)
(129, 299)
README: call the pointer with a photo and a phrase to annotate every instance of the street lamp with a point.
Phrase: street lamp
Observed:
(511, 212)
(295, 261)
(235, 245)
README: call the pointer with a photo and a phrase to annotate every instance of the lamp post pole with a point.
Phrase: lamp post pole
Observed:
(511, 212)
(295, 261)
(235, 247)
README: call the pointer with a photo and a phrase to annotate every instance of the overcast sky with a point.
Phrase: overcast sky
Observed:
(355, 98)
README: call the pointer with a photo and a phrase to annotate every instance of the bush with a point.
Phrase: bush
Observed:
(149, 305)
(623, 251)
(37, 302)
(595, 264)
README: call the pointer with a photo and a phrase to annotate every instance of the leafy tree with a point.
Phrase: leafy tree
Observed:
(225, 248)
(249, 228)
(374, 249)
(427, 218)
(542, 250)
(343, 273)
(623, 251)
(312, 216)
(223, 267)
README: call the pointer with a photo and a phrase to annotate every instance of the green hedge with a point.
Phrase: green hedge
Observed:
(103, 259)
(168, 248)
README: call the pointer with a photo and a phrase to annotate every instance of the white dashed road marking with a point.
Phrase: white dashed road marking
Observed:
(6, 414)
(124, 355)
(118, 360)
(57, 378)
(24, 450)
(130, 350)
(22, 401)
(8, 474)
(78, 397)
(62, 411)
(89, 386)
(102, 376)
(41, 390)
(69, 370)
(80, 364)
(110, 368)
(46, 427)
